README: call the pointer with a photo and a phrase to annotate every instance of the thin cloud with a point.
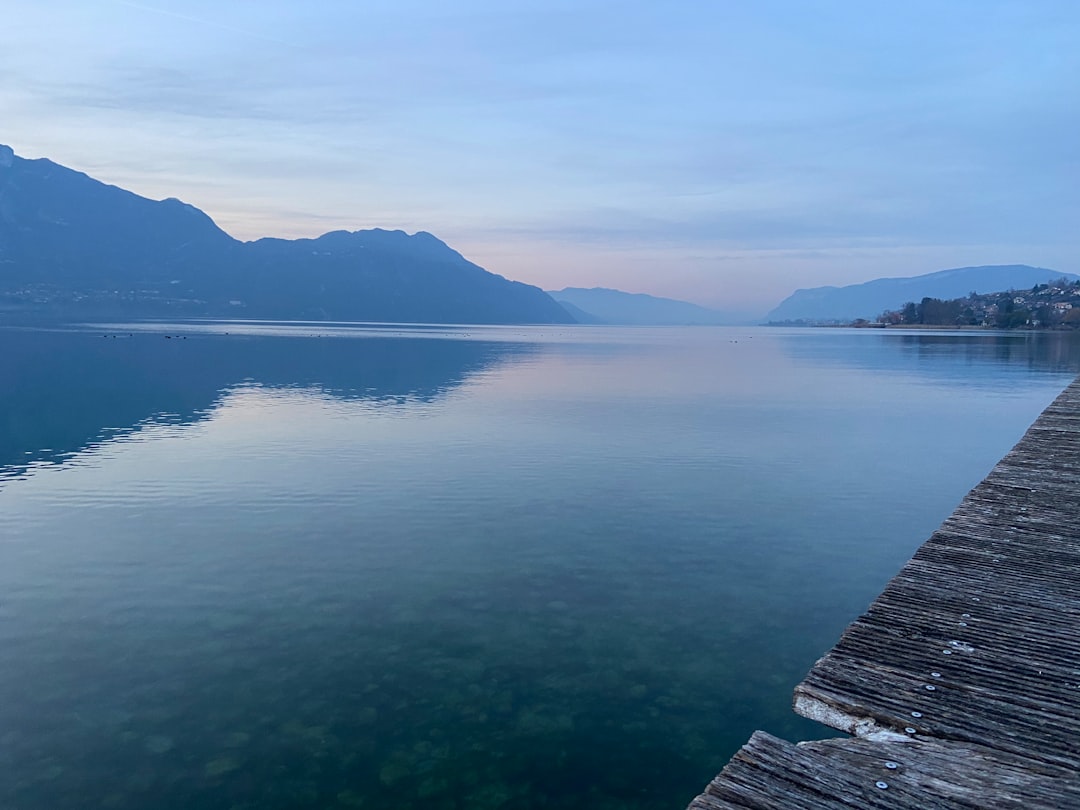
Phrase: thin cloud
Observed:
(603, 128)
(202, 21)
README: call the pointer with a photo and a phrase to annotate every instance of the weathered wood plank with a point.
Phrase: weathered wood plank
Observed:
(990, 603)
(965, 672)
(771, 774)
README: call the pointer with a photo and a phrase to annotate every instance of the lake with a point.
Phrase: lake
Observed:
(256, 565)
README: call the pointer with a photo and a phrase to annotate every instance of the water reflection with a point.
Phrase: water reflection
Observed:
(472, 569)
(67, 390)
(939, 356)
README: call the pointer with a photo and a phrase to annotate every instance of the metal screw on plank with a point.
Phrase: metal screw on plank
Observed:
(882, 785)
(916, 714)
(963, 624)
(935, 674)
(892, 766)
(946, 652)
(929, 687)
(909, 730)
(965, 615)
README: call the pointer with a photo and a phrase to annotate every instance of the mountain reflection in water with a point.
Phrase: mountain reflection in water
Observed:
(66, 390)
(469, 568)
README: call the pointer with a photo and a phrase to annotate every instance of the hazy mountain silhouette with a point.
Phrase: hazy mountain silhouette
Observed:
(71, 246)
(66, 390)
(870, 299)
(577, 313)
(602, 305)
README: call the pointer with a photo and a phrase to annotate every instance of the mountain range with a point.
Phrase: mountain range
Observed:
(71, 246)
(870, 299)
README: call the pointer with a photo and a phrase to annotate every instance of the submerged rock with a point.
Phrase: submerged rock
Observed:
(394, 770)
(350, 798)
(158, 744)
(237, 739)
(221, 765)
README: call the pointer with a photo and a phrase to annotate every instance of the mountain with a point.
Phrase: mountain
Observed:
(870, 299)
(71, 246)
(601, 305)
(580, 315)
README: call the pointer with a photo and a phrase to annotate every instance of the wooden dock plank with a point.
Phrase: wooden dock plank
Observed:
(965, 670)
(771, 774)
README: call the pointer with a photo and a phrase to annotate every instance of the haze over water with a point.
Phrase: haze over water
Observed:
(281, 566)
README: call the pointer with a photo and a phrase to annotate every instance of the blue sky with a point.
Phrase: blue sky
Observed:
(720, 152)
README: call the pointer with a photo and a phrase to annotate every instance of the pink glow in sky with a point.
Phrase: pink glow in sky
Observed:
(724, 153)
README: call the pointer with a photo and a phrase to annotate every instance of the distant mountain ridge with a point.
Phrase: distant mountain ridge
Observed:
(606, 306)
(72, 246)
(871, 298)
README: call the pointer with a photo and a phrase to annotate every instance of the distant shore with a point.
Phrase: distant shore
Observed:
(924, 327)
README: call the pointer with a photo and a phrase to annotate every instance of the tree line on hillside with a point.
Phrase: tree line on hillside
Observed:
(1044, 306)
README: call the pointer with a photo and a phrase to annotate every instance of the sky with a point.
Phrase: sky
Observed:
(716, 151)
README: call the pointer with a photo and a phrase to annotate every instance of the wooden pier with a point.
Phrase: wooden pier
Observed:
(961, 683)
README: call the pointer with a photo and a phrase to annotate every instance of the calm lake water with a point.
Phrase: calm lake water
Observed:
(304, 566)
